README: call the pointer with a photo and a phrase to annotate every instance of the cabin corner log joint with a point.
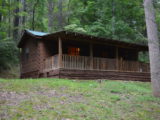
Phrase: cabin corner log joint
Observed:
(79, 56)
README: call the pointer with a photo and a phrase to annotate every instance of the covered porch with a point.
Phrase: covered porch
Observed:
(79, 55)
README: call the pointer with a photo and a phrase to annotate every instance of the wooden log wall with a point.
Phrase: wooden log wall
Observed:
(30, 63)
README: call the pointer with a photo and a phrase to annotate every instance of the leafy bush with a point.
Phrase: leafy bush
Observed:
(75, 28)
(8, 54)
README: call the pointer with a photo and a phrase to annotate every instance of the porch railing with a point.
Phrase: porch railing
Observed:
(95, 63)
(51, 63)
(75, 62)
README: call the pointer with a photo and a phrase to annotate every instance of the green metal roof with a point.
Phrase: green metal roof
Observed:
(37, 33)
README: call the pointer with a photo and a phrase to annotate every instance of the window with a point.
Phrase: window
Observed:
(73, 51)
(26, 53)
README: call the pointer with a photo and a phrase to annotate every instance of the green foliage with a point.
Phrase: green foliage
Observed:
(8, 54)
(75, 28)
(125, 22)
(144, 57)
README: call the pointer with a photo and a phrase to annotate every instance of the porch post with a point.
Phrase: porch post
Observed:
(91, 55)
(117, 58)
(59, 53)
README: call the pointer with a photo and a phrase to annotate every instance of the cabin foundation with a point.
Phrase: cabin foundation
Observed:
(92, 75)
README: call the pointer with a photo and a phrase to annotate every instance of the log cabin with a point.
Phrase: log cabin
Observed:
(74, 55)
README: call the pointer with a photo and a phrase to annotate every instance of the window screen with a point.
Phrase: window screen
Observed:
(73, 51)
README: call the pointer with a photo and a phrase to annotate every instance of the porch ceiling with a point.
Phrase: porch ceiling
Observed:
(93, 39)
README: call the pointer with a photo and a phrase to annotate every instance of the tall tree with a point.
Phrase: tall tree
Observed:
(69, 4)
(16, 22)
(2, 5)
(154, 46)
(9, 18)
(0, 17)
(24, 10)
(33, 14)
(60, 14)
(113, 18)
(51, 6)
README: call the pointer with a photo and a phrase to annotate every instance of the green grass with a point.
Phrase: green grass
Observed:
(59, 99)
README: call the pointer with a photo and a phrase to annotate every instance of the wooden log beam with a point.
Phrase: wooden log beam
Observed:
(117, 58)
(91, 56)
(60, 52)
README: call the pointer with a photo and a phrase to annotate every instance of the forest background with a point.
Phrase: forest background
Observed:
(117, 19)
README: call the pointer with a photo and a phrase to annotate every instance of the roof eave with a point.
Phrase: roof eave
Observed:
(25, 32)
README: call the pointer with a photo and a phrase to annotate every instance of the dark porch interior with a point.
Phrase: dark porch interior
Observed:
(76, 48)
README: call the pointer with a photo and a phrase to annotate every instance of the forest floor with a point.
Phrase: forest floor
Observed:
(12, 72)
(59, 99)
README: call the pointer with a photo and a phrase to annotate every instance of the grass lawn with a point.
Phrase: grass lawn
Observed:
(58, 99)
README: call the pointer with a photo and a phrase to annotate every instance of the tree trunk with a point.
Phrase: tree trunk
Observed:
(16, 22)
(113, 19)
(68, 15)
(9, 18)
(51, 6)
(3, 5)
(1, 13)
(33, 14)
(154, 48)
(0, 17)
(24, 9)
(60, 15)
